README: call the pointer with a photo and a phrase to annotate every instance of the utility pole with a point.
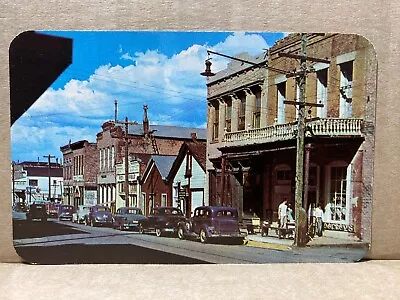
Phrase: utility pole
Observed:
(300, 219)
(13, 181)
(126, 182)
(49, 157)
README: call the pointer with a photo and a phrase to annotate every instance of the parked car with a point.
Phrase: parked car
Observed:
(80, 214)
(128, 218)
(162, 219)
(52, 209)
(20, 207)
(37, 211)
(210, 222)
(65, 212)
(99, 216)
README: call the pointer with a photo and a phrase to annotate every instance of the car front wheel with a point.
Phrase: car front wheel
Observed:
(203, 236)
(141, 230)
(181, 233)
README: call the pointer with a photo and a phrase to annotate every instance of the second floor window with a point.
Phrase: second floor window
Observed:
(281, 87)
(257, 112)
(346, 89)
(322, 92)
(242, 114)
(228, 116)
(216, 123)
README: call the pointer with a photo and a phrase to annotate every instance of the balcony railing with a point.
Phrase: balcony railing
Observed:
(332, 127)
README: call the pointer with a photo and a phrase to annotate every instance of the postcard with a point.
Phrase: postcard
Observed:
(168, 147)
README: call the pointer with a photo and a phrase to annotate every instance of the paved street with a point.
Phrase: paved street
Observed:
(55, 242)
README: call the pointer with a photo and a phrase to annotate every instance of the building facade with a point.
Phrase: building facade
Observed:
(140, 142)
(30, 182)
(252, 132)
(188, 177)
(80, 173)
(156, 190)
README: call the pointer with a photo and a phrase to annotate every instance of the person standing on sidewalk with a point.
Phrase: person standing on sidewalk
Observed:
(319, 221)
(282, 213)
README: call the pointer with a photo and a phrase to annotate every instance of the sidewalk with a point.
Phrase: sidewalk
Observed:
(273, 242)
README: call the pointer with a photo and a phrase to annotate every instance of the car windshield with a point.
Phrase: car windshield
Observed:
(226, 213)
(134, 211)
(173, 211)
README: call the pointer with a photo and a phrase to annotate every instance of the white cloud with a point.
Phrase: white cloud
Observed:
(169, 85)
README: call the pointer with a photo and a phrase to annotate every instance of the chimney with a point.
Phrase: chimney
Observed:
(194, 136)
(145, 121)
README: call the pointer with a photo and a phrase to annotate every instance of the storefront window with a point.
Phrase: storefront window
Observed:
(337, 195)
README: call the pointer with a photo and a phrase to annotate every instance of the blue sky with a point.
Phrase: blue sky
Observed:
(160, 69)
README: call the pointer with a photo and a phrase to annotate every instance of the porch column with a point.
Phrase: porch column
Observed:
(210, 125)
(235, 112)
(250, 108)
(221, 129)
(222, 192)
(264, 103)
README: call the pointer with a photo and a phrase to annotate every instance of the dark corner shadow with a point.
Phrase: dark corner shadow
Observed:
(100, 254)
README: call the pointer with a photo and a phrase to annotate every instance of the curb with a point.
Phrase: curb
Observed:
(345, 245)
(267, 245)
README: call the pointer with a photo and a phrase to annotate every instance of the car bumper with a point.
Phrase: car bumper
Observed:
(227, 235)
(169, 229)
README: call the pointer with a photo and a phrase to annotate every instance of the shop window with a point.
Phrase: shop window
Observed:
(337, 195)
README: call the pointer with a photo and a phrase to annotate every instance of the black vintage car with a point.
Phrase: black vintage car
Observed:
(99, 216)
(37, 211)
(210, 222)
(163, 219)
(128, 218)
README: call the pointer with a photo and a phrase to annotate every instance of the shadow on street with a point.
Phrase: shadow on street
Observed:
(100, 254)
(23, 229)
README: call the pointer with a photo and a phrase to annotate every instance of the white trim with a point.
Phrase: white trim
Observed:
(320, 66)
(281, 78)
(346, 57)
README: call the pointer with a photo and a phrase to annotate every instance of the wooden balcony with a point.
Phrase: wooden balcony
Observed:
(329, 127)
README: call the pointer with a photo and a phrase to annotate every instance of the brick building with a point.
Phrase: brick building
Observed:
(143, 140)
(252, 133)
(80, 173)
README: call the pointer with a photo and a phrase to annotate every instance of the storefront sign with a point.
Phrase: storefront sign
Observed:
(339, 227)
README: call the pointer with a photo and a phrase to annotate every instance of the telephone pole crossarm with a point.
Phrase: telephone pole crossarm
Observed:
(303, 103)
(309, 58)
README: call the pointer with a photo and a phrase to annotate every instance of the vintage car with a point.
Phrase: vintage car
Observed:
(163, 219)
(52, 209)
(128, 218)
(80, 214)
(37, 211)
(20, 207)
(65, 212)
(210, 222)
(99, 216)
